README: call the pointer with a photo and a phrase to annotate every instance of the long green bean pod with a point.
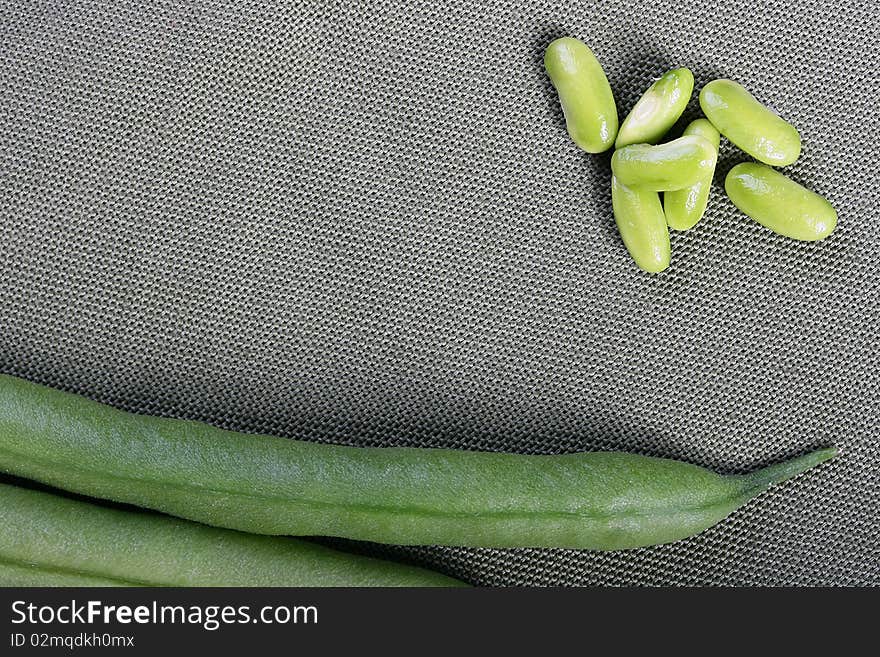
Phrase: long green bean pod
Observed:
(271, 485)
(48, 540)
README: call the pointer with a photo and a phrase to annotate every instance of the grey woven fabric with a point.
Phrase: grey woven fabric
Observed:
(364, 223)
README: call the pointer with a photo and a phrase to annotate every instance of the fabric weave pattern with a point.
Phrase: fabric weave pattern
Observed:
(365, 223)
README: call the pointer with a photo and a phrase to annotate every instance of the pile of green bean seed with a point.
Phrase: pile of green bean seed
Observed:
(683, 168)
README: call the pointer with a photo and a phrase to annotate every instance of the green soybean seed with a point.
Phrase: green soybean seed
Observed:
(587, 101)
(677, 164)
(48, 540)
(640, 220)
(753, 127)
(658, 109)
(685, 207)
(269, 485)
(779, 203)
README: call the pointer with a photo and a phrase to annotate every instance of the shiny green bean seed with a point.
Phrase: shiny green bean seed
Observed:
(685, 207)
(587, 101)
(49, 540)
(779, 203)
(658, 109)
(640, 220)
(753, 127)
(676, 164)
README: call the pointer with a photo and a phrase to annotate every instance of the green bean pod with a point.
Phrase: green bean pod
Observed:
(658, 109)
(48, 540)
(678, 164)
(777, 202)
(642, 225)
(753, 127)
(584, 92)
(268, 485)
(685, 207)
